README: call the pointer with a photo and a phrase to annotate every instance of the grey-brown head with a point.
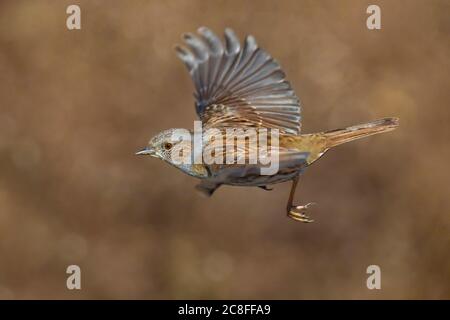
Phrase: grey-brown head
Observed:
(160, 146)
(173, 146)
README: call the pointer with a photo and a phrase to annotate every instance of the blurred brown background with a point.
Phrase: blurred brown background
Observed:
(76, 105)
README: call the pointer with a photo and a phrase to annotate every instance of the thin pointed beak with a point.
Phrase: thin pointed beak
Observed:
(146, 152)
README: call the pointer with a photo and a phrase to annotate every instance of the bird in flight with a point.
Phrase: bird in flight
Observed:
(243, 87)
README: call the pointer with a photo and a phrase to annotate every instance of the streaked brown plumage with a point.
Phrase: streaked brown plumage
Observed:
(244, 87)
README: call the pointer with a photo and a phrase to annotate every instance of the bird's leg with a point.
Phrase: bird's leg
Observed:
(297, 212)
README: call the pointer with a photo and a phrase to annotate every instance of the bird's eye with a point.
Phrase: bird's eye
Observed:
(167, 146)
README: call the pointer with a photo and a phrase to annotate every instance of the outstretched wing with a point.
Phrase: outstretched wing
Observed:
(238, 86)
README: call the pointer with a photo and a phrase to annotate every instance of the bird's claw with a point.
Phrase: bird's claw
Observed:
(297, 213)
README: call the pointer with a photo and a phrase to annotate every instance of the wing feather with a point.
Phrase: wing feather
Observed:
(238, 85)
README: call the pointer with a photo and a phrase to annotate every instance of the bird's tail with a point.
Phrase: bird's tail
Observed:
(340, 136)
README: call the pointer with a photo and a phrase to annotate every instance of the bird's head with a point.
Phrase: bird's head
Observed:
(172, 146)
(162, 145)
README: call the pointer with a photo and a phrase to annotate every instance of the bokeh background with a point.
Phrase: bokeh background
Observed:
(76, 105)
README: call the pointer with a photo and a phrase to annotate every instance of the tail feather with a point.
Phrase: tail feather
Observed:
(340, 136)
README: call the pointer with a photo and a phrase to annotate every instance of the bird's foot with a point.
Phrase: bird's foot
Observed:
(298, 213)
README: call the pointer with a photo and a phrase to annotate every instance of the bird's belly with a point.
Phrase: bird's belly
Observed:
(255, 181)
(251, 179)
(289, 165)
